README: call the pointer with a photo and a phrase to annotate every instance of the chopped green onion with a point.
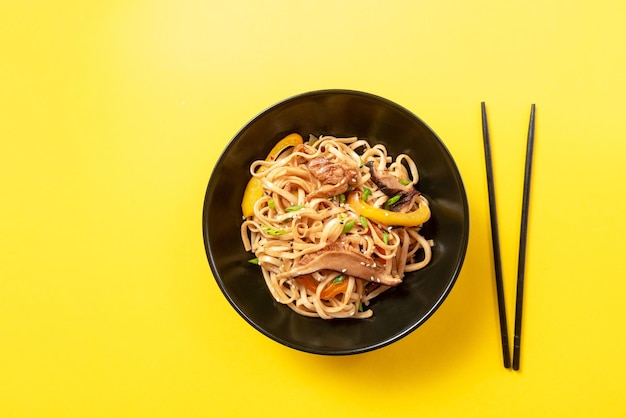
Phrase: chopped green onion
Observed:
(271, 204)
(273, 232)
(363, 221)
(339, 279)
(348, 226)
(386, 237)
(392, 200)
(405, 182)
(342, 198)
(366, 193)
(360, 306)
(294, 208)
(254, 261)
(361, 162)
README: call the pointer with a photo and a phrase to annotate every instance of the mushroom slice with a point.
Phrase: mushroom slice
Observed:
(391, 186)
(345, 260)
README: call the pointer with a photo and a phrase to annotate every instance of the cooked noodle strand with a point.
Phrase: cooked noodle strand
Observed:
(303, 218)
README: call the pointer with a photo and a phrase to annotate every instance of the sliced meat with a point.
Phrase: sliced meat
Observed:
(335, 177)
(342, 259)
(391, 186)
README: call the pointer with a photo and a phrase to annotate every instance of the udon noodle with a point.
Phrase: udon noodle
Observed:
(334, 223)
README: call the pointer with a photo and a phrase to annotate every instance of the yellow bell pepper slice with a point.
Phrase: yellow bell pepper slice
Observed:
(253, 192)
(254, 188)
(387, 217)
(290, 140)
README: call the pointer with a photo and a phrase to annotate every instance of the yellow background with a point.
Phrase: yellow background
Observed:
(113, 114)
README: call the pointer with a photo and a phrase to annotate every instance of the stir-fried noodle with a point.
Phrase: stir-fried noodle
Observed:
(337, 223)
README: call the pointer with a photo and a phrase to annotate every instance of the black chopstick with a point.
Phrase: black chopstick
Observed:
(517, 338)
(495, 238)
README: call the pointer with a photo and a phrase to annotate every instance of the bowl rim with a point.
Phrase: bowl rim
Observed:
(392, 338)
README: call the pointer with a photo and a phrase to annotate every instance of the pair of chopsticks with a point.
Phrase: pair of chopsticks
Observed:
(517, 338)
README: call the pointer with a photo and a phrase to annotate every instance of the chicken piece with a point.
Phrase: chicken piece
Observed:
(335, 177)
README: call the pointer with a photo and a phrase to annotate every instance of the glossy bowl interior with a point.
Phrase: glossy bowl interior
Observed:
(398, 311)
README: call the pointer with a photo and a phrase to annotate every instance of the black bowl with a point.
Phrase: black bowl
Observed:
(398, 311)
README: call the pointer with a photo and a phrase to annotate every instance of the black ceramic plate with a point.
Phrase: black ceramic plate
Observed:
(398, 311)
